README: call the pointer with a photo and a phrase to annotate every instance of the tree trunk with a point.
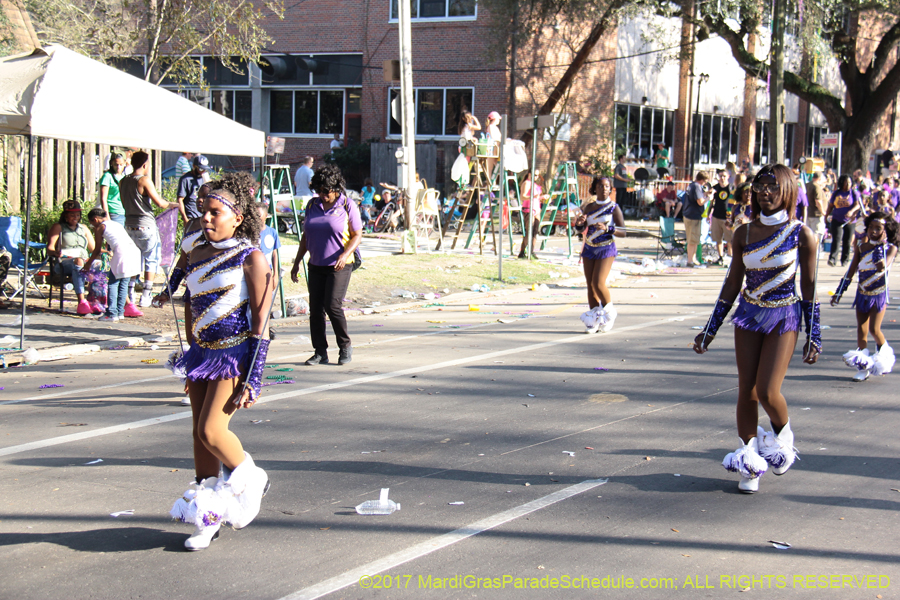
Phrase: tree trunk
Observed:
(858, 143)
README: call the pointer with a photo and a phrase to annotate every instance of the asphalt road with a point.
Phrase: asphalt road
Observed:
(580, 461)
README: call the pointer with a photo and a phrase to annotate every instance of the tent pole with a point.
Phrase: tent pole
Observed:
(27, 235)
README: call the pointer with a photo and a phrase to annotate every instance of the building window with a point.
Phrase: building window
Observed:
(640, 128)
(310, 112)
(312, 70)
(237, 105)
(714, 139)
(437, 111)
(438, 9)
(761, 153)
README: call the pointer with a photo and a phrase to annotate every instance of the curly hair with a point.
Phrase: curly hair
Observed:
(891, 227)
(327, 178)
(240, 187)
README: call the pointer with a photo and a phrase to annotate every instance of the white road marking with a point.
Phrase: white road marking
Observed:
(289, 356)
(438, 543)
(327, 387)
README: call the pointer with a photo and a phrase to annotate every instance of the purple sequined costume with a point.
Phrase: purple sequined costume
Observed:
(220, 316)
(872, 290)
(769, 302)
(599, 244)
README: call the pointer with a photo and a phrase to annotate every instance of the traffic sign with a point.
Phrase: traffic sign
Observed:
(829, 140)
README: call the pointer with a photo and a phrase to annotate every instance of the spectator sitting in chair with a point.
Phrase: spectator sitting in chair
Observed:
(667, 202)
(72, 242)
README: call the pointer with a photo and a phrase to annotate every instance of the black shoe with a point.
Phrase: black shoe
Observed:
(345, 356)
(319, 358)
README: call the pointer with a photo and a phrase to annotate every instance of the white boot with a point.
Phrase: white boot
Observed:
(778, 450)
(883, 360)
(248, 483)
(609, 314)
(203, 506)
(202, 537)
(746, 461)
(861, 375)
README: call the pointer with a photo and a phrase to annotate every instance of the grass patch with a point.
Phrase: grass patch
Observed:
(422, 273)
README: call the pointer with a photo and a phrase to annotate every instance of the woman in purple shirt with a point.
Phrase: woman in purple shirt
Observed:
(842, 208)
(332, 229)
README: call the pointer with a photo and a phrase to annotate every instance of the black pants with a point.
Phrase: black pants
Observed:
(327, 288)
(841, 236)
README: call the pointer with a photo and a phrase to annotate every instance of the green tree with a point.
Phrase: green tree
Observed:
(860, 36)
(169, 32)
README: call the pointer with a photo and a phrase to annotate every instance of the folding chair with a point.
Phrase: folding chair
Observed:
(669, 244)
(11, 239)
(428, 216)
(707, 251)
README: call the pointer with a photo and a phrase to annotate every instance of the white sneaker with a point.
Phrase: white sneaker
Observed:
(861, 375)
(202, 537)
(186, 401)
(109, 319)
(146, 300)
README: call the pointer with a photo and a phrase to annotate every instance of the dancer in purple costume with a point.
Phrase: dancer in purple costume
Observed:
(872, 257)
(229, 283)
(598, 222)
(768, 251)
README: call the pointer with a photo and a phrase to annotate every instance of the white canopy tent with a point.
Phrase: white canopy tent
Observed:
(54, 92)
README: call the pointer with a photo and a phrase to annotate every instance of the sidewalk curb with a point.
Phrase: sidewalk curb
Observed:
(71, 350)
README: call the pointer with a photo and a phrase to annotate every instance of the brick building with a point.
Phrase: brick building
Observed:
(323, 77)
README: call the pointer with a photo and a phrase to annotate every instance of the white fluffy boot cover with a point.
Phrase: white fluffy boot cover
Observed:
(746, 460)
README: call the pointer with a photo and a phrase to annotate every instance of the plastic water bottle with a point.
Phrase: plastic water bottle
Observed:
(382, 506)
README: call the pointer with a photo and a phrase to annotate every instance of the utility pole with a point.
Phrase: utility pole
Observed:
(408, 124)
(776, 84)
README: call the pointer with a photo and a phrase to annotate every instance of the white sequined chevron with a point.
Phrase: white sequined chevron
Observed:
(222, 276)
(783, 265)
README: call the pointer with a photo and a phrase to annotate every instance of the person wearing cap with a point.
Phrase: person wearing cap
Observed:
(188, 186)
(138, 197)
(72, 242)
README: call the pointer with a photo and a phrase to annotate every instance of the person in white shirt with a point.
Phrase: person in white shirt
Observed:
(336, 142)
(301, 180)
(183, 164)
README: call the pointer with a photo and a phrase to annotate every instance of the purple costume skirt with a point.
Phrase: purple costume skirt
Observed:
(866, 304)
(598, 253)
(204, 363)
(767, 320)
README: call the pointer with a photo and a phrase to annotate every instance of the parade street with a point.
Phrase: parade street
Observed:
(523, 452)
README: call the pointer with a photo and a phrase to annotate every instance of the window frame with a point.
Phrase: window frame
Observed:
(318, 90)
(631, 130)
(728, 126)
(418, 136)
(392, 18)
(311, 84)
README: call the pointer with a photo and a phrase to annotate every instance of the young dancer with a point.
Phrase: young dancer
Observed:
(229, 284)
(769, 251)
(873, 258)
(599, 221)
